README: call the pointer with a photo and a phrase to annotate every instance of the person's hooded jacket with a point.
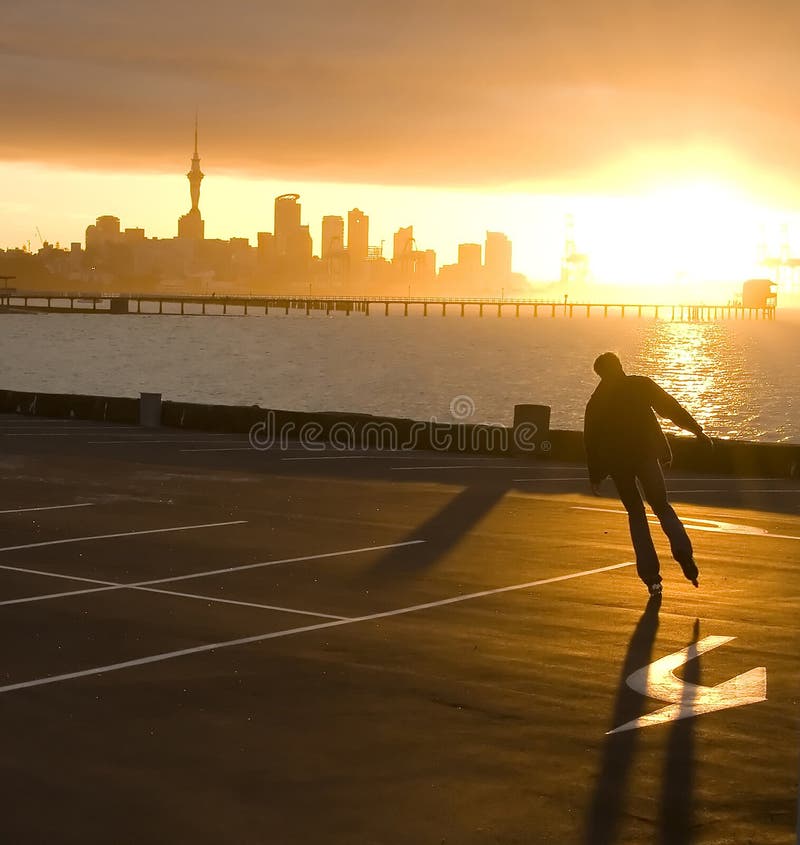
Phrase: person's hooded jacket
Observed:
(621, 431)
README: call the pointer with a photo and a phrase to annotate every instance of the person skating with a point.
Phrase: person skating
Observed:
(623, 439)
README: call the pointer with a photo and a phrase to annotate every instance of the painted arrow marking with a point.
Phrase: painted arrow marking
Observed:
(686, 700)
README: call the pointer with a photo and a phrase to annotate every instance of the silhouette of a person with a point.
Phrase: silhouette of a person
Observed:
(623, 439)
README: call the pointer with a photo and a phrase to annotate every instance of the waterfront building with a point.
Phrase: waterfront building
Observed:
(470, 258)
(332, 236)
(425, 266)
(357, 235)
(287, 222)
(403, 243)
(497, 256)
(105, 230)
(335, 258)
(266, 252)
(299, 249)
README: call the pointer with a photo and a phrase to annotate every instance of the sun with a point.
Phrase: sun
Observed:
(693, 240)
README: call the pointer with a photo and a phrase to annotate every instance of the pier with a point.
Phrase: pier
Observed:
(246, 304)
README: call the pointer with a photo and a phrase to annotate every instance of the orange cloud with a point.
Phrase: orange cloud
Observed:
(446, 93)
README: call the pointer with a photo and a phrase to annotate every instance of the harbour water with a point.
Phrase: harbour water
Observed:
(738, 378)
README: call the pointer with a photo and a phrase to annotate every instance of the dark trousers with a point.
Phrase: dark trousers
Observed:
(651, 479)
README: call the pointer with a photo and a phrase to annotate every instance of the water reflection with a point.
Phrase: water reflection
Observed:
(704, 367)
(738, 377)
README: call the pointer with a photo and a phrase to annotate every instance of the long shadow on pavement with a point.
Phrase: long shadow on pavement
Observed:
(605, 809)
(442, 531)
(678, 787)
(676, 811)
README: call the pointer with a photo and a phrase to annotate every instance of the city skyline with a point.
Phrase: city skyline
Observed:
(116, 255)
(550, 227)
(286, 255)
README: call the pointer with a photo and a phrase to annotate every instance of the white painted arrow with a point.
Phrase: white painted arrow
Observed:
(658, 681)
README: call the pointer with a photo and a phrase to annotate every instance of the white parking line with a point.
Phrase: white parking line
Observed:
(141, 433)
(41, 434)
(72, 435)
(736, 490)
(49, 508)
(37, 422)
(20, 420)
(383, 457)
(698, 524)
(388, 456)
(456, 466)
(201, 649)
(175, 441)
(776, 517)
(218, 600)
(732, 478)
(226, 449)
(673, 479)
(330, 458)
(120, 534)
(301, 559)
(58, 422)
(564, 478)
(42, 431)
(272, 450)
(114, 585)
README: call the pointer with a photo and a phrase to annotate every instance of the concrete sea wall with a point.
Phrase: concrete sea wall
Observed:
(357, 431)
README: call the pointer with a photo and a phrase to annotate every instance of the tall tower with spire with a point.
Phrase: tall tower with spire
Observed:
(191, 225)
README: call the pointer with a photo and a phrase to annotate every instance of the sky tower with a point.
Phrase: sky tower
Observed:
(191, 225)
(195, 176)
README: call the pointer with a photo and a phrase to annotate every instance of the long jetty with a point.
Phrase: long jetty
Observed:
(244, 304)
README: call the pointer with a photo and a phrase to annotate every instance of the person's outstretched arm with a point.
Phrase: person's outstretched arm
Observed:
(668, 406)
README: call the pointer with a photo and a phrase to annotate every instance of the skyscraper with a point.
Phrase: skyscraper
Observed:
(498, 256)
(105, 231)
(403, 242)
(191, 225)
(357, 235)
(469, 258)
(332, 236)
(266, 251)
(287, 222)
(425, 269)
(299, 249)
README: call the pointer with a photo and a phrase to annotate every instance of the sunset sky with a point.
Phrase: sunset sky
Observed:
(668, 129)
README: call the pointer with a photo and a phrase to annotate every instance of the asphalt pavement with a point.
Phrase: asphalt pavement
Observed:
(206, 643)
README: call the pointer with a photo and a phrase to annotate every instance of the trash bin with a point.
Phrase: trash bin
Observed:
(531, 431)
(150, 410)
